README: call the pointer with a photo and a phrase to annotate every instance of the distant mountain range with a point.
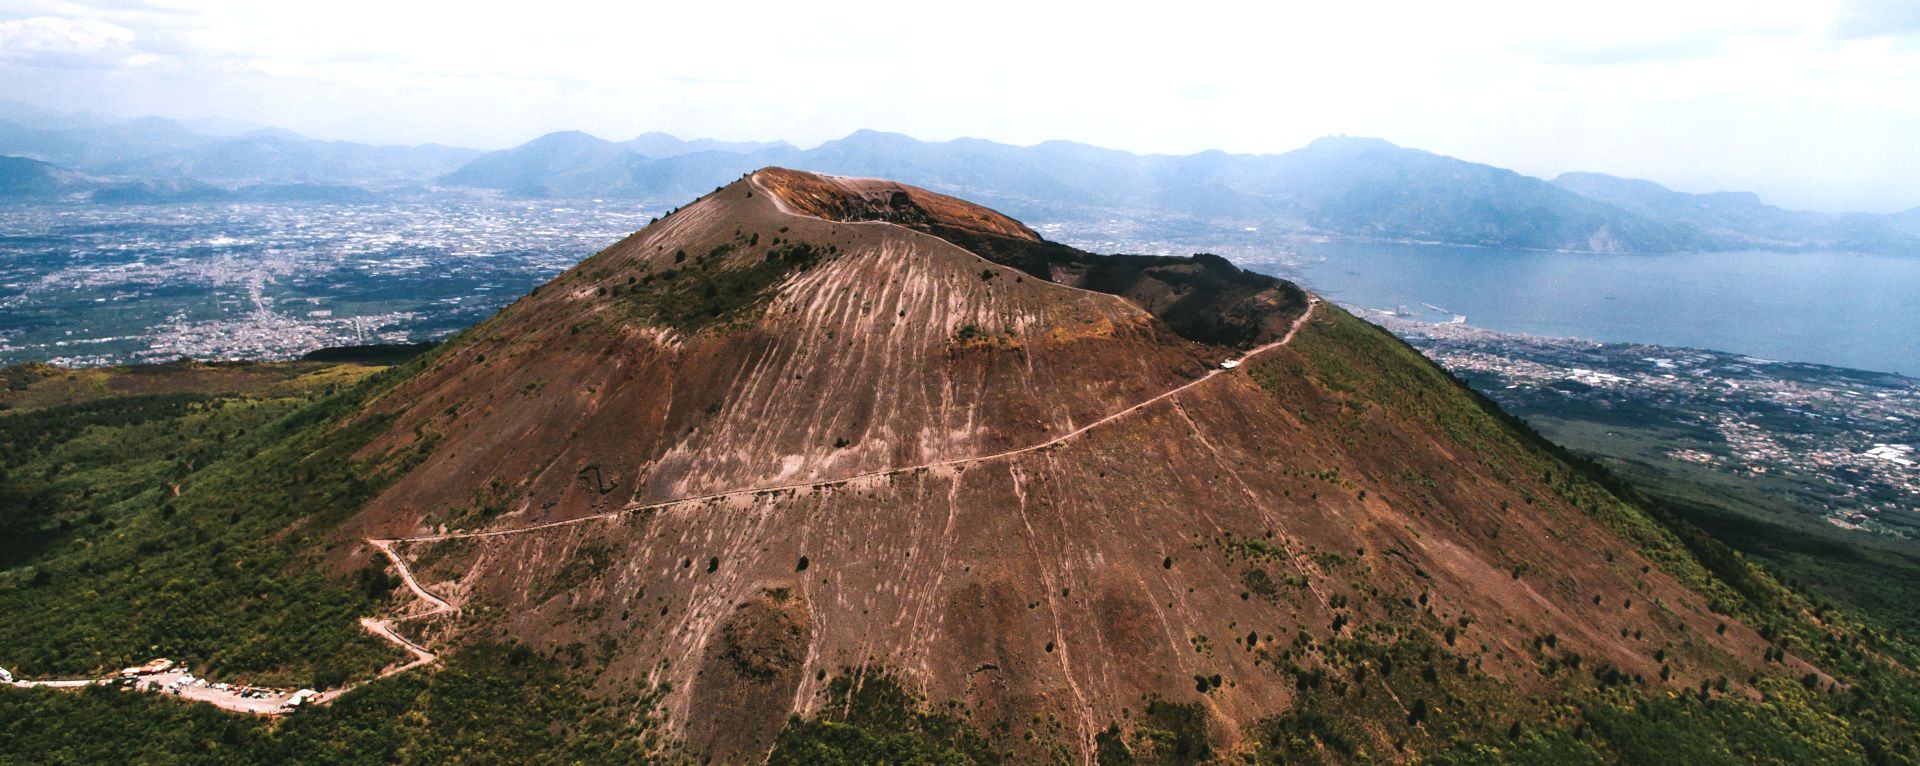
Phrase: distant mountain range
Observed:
(154, 148)
(32, 180)
(1338, 187)
(24, 178)
(1742, 219)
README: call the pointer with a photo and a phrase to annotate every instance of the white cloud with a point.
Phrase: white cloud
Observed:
(1653, 87)
(63, 42)
(1876, 18)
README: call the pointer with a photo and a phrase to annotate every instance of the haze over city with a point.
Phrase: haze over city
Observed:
(1810, 104)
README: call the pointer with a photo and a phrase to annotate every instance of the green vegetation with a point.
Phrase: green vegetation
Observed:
(1174, 734)
(1373, 369)
(1454, 715)
(45, 470)
(1389, 694)
(1203, 297)
(971, 336)
(1772, 519)
(188, 526)
(372, 353)
(37, 386)
(1613, 718)
(873, 720)
(717, 286)
(1778, 517)
(488, 703)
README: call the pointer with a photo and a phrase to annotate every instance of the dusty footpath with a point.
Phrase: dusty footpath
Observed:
(182, 684)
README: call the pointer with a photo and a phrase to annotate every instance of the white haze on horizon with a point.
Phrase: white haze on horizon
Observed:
(1812, 103)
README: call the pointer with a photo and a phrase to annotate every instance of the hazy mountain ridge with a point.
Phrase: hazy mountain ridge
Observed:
(656, 144)
(568, 163)
(21, 177)
(1334, 186)
(29, 180)
(152, 147)
(1742, 219)
(269, 156)
(1341, 186)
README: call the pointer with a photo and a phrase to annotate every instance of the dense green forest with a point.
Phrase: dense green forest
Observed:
(489, 703)
(159, 525)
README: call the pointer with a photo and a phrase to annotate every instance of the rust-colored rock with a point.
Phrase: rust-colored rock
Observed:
(874, 414)
(838, 198)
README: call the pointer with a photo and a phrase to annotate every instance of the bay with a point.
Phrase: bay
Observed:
(1842, 309)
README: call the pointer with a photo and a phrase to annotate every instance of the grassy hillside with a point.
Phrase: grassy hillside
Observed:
(1860, 718)
(185, 521)
(1776, 520)
(492, 703)
(183, 524)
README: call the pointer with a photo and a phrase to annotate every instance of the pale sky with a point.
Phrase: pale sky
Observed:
(1812, 103)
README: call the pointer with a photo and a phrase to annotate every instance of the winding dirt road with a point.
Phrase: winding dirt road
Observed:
(441, 606)
(386, 544)
(384, 628)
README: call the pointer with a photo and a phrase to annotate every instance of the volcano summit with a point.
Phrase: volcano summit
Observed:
(836, 470)
(812, 435)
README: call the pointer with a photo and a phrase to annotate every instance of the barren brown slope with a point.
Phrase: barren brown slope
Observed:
(839, 198)
(1234, 546)
(894, 348)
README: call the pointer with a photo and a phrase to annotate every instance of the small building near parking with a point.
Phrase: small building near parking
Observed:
(160, 665)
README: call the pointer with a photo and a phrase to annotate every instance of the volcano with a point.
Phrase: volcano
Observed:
(810, 437)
